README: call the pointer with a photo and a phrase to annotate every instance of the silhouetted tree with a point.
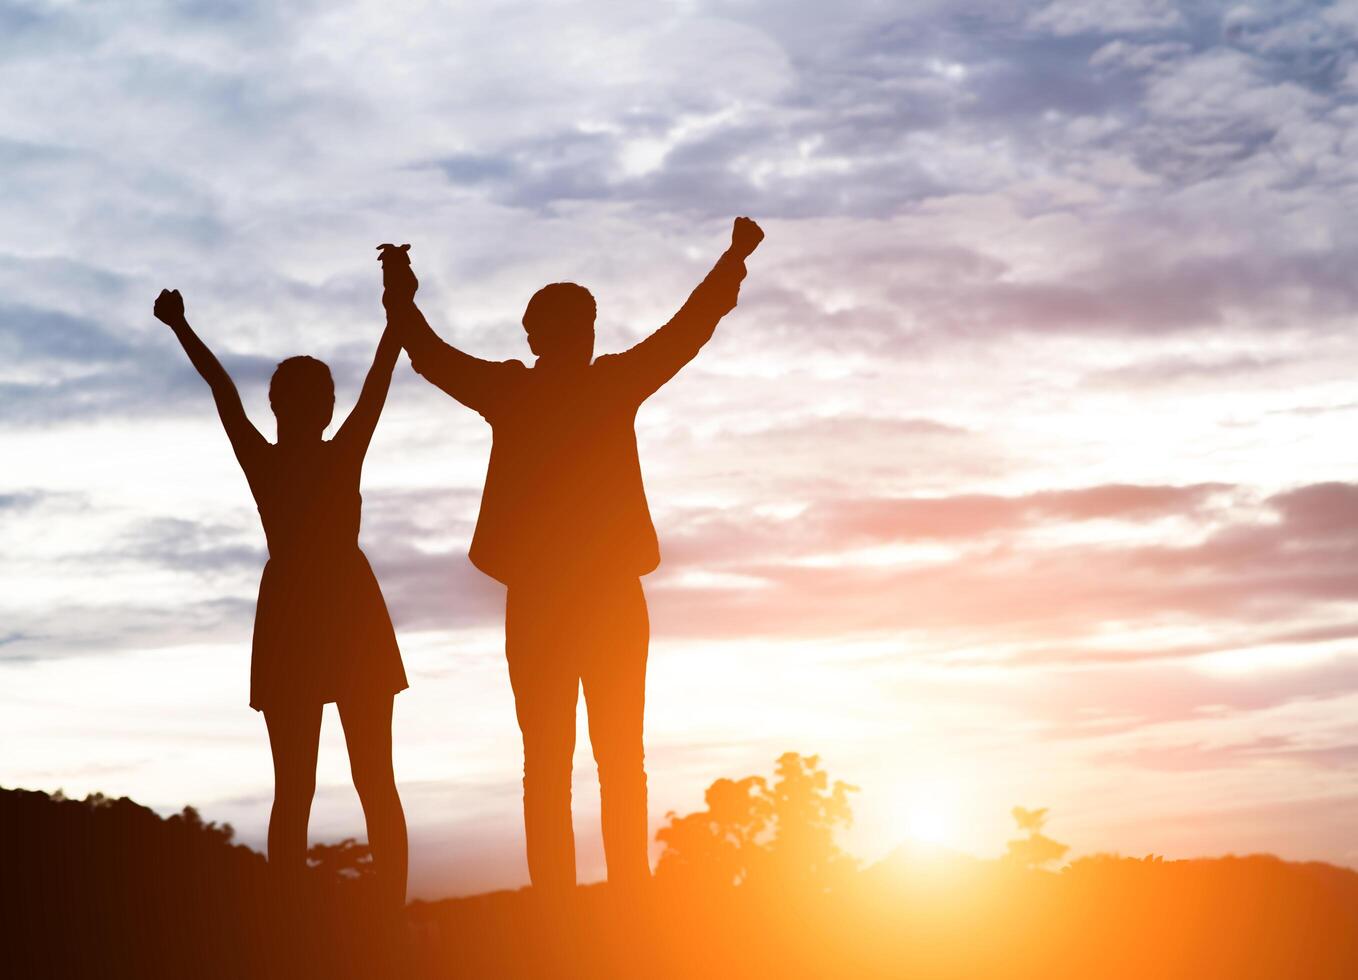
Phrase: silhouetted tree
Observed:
(719, 845)
(193, 820)
(1036, 849)
(807, 810)
(346, 861)
(757, 832)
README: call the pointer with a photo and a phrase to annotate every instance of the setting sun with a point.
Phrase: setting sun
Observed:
(929, 825)
(927, 814)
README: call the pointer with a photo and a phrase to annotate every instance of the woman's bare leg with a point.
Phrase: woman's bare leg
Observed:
(367, 733)
(294, 734)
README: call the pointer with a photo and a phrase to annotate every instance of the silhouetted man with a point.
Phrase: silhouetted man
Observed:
(564, 524)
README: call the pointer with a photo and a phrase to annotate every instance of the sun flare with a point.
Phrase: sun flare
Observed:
(929, 825)
(927, 815)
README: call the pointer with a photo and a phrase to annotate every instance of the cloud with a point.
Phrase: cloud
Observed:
(879, 521)
(1064, 17)
(77, 628)
(73, 367)
(864, 117)
(188, 546)
(832, 526)
(1215, 558)
(207, 575)
(1236, 570)
(19, 501)
(1192, 369)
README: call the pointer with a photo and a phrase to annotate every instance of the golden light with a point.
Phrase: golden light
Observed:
(926, 814)
(929, 824)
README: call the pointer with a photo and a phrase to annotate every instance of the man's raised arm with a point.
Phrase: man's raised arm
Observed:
(470, 380)
(659, 357)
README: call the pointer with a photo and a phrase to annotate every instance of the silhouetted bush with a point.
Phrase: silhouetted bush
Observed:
(346, 861)
(768, 834)
(1037, 849)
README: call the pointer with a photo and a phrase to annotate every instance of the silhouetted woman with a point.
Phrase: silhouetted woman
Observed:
(322, 632)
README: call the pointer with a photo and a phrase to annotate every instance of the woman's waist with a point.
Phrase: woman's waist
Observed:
(310, 552)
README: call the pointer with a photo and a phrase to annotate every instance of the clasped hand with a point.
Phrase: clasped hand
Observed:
(398, 278)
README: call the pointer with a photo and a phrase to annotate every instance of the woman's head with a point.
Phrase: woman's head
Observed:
(302, 394)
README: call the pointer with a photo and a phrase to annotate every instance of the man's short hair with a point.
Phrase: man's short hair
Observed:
(301, 382)
(564, 303)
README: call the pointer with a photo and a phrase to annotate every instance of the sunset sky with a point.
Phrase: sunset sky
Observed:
(1019, 476)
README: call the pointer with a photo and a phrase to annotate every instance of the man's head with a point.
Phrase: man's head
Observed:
(302, 394)
(560, 323)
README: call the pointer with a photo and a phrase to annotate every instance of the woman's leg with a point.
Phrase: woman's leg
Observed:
(367, 733)
(294, 733)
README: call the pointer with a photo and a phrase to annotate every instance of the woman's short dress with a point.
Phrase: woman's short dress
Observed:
(322, 630)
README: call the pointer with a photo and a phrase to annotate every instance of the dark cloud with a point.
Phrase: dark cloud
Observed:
(429, 588)
(1319, 509)
(45, 337)
(137, 389)
(1138, 292)
(862, 87)
(81, 629)
(1163, 371)
(19, 501)
(87, 370)
(1299, 42)
(31, 30)
(188, 546)
(426, 588)
(470, 168)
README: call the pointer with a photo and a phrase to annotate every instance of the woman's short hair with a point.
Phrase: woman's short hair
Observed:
(301, 384)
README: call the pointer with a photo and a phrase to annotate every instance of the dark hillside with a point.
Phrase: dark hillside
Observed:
(106, 888)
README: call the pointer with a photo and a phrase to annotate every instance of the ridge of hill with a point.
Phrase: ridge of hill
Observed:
(107, 888)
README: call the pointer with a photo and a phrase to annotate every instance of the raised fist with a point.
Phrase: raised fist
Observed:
(745, 236)
(398, 279)
(169, 308)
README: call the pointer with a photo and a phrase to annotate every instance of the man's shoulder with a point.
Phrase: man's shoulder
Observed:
(504, 370)
(613, 371)
(504, 377)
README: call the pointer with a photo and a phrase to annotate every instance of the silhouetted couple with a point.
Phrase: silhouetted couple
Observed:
(564, 525)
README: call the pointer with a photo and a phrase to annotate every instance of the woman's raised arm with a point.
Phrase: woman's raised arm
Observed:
(357, 430)
(246, 440)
